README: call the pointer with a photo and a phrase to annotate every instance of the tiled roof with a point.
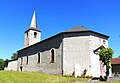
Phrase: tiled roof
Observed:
(115, 61)
(78, 28)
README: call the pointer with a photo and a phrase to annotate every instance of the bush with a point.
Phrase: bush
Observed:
(1, 64)
(67, 75)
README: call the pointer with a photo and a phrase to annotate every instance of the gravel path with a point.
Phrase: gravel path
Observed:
(114, 78)
(96, 80)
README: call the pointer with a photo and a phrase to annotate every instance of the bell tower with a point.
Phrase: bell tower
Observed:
(33, 34)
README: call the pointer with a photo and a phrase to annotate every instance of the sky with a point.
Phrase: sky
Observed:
(55, 16)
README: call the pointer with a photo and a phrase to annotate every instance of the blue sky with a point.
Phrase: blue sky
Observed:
(54, 16)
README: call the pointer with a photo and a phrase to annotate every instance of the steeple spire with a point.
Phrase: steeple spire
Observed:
(33, 34)
(33, 21)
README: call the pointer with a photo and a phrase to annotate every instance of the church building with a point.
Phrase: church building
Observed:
(59, 54)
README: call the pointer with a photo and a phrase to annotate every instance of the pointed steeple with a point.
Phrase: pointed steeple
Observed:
(33, 21)
(33, 34)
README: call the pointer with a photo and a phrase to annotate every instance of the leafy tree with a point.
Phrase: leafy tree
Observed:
(105, 56)
(14, 56)
(1, 64)
(6, 62)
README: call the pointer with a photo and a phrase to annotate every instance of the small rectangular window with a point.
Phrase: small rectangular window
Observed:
(27, 60)
(39, 57)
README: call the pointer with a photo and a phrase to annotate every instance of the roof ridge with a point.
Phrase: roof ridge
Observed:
(77, 28)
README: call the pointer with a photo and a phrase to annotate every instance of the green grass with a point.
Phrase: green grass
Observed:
(27, 77)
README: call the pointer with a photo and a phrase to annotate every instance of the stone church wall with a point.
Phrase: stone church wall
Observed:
(70, 49)
(44, 48)
(12, 66)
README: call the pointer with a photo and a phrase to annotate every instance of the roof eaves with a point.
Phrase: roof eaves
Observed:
(35, 29)
(88, 31)
(41, 41)
(63, 33)
(100, 34)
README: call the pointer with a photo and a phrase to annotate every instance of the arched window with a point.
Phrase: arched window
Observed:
(27, 34)
(35, 35)
(27, 60)
(52, 56)
(38, 57)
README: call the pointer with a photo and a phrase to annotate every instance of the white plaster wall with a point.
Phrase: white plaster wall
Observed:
(33, 40)
(75, 51)
(12, 66)
(19, 64)
(26, 39)
(30, 40)
(94, 43)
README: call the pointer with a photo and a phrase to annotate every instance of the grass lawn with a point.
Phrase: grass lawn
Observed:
(27, 77)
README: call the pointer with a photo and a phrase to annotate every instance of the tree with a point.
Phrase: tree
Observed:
(6, 62)
(1, 64)
(14, 56)
(105, 55)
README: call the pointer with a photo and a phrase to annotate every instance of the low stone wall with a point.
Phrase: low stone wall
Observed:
(12, 66)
